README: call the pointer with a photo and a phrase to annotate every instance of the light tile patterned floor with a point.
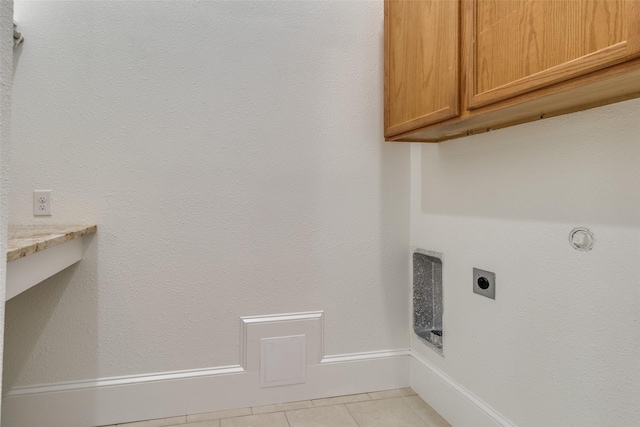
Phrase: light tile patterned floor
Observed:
(389, 408)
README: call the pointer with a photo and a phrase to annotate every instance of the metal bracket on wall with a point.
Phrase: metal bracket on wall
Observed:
(17, 37)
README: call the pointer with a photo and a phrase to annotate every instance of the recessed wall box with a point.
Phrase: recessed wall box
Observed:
(427, 298)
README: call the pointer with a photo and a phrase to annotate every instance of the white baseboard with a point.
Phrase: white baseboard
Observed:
(108, 401)
(125, 399)
(456, 404)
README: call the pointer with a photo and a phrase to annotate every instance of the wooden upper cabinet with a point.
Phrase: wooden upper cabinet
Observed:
(460, 67)
(518, 46)
(422, 84)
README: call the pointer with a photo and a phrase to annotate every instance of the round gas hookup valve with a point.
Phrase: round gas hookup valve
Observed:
(581, 239)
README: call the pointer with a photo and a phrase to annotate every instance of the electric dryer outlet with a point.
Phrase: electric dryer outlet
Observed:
(484, 283)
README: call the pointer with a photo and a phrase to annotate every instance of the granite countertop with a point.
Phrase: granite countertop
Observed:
(26, 240)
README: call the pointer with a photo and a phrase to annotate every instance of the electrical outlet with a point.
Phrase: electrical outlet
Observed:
(484, 283)
(41, 202)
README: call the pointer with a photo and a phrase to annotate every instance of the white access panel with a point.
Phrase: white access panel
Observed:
(283, 361)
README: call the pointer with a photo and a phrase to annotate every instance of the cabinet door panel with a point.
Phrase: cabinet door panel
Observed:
(522, 45)
(421, 63)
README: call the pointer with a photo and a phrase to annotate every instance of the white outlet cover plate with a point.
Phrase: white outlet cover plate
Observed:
(41, 202)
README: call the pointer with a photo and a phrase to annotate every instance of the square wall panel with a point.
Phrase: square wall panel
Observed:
(283, 361)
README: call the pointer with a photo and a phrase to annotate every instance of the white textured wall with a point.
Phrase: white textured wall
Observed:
(559, 345)
(6, 56)
(231, 155)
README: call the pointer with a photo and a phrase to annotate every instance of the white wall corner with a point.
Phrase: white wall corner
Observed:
(6, 81)
(455, 403)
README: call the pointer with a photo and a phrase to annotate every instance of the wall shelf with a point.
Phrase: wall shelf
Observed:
(37, 252)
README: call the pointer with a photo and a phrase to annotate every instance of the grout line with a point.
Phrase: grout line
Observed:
(403, 398)
(351, 413)
(286, 418)
(414, 411)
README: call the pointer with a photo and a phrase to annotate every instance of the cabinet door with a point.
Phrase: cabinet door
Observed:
(421, 63)
(517, 46)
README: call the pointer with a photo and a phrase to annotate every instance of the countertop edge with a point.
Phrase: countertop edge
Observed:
(41, 240)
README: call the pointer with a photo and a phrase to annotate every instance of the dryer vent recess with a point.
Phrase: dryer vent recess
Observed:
(427, 298)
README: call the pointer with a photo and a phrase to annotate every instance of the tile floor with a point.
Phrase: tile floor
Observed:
(389, 408)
